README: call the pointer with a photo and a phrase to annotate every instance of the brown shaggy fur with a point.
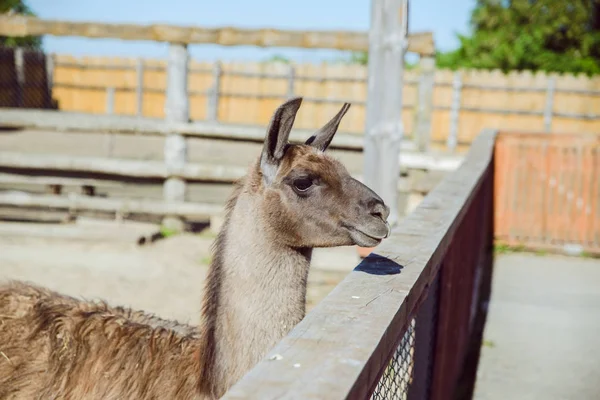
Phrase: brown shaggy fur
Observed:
(57, 347)
(54, 346)
(49, 346)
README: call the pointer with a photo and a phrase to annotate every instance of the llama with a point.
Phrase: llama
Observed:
(293, 198)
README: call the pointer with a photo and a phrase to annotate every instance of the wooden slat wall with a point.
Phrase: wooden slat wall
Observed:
(248, 110)
(548, 191)
(237, 101)
(80, 84)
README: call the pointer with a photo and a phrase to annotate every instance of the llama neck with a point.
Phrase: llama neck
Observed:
(256, 293)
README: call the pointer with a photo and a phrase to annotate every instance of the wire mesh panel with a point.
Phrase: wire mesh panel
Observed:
(425, 343)
(409, 372)
(398, 374)
(24, 75)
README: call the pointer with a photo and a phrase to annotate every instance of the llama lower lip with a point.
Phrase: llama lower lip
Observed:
(379, 238)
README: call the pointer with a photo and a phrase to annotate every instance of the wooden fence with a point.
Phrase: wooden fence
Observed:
(548, 191)
(175, 79)
(103, 170)
(408, 322)
(463, 102)
(177, 103)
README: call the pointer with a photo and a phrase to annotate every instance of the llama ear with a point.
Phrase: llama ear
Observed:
(323, 137)
(277, 136)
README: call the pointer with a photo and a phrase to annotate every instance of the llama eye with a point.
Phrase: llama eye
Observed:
(302, 184)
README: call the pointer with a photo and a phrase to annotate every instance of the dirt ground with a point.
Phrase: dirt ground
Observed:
(99, 259)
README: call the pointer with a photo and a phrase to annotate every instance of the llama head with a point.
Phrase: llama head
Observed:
(309, 198)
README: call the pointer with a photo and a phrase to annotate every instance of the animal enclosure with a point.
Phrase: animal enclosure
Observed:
(408, 321)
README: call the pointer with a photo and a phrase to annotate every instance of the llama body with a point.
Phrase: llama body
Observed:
(294, 198)
(79, 350)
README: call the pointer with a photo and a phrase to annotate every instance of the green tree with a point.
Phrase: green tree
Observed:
(18, 7)
(548, 35)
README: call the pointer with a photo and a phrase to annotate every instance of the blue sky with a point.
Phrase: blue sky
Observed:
(443, 17)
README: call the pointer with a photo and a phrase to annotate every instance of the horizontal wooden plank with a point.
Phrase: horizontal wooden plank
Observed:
(338, 349)
(88, 123)
(70, 121)
(9, 213)
(81, 229)
(119, 167)
(19, 25)
(54, 169)
(130, 125)
(75, 202)
(80, 64)
(204, 93)
(21, 179)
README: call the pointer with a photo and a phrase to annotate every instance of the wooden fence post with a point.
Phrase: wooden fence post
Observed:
(176, 111)
(212, 112)
(20, 72)
(384, 129)
(139, 90)
(110, 100)
(425, 103)
(455, 111)
(291, 81)
(549, 109)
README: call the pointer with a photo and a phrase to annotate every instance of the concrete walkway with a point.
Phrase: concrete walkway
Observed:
(542, 340)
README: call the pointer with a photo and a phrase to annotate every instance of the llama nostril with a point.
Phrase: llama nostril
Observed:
(377, 214)
(380, 210)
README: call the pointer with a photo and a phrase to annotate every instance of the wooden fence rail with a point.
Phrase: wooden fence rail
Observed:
(119, 207)
(19, 25)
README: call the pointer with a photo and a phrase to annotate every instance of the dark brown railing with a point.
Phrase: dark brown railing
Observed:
(407, 323)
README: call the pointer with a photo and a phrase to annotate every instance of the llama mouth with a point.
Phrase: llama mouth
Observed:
(362, 236)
